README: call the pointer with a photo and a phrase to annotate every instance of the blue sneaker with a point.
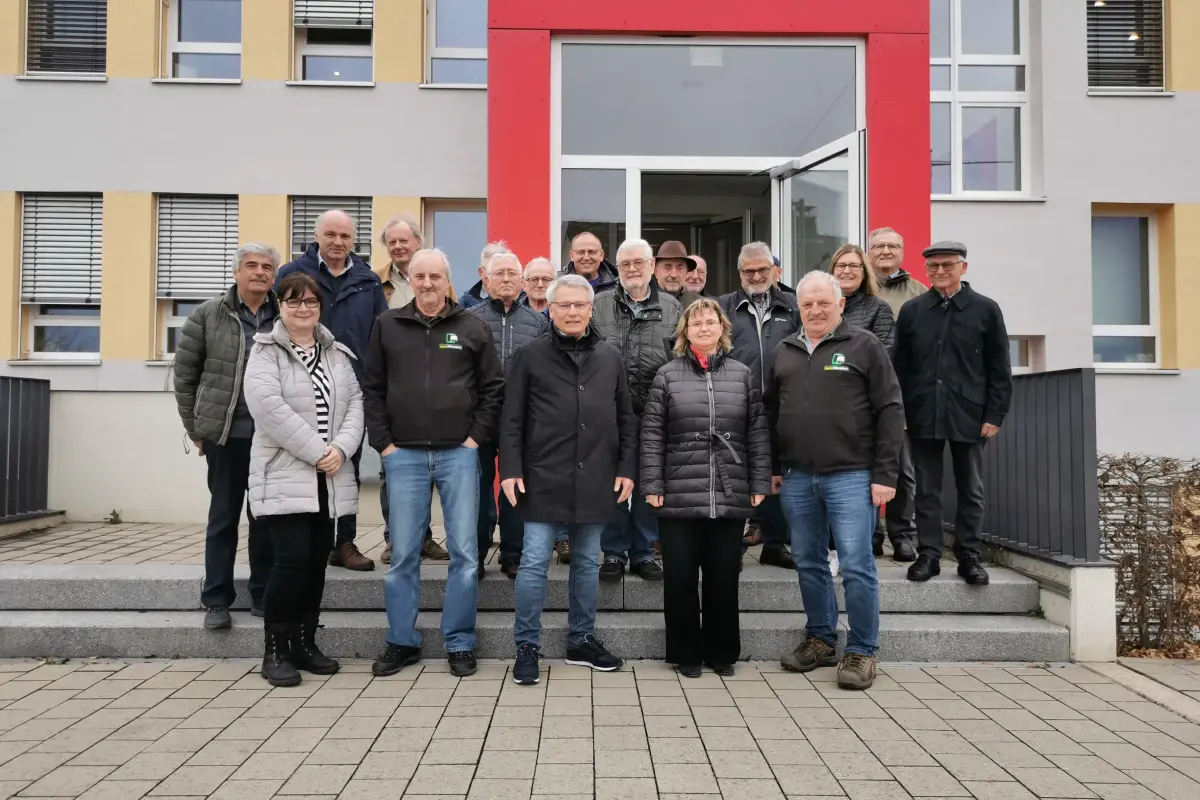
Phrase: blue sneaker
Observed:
(525, 671)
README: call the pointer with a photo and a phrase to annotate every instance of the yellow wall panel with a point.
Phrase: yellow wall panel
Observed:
(267, 40)
(264, 219)
(11, 25)
(1186, 299)
(383, 209)
(1183, 57)
(133, 37)
(1168, 308)
(10, 274)
(400, 41)
(127, 311)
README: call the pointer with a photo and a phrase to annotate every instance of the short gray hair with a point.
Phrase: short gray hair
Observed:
(635, 244)
(431, 251)
(401, 219)
(326, 214)
(570, 282)
(253, 249)
(541, 261)
(881, 231)
(822, 277)
(492, 249)
(506, 256)
(755, 250)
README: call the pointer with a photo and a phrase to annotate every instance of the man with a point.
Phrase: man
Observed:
(885, 251)
(952, 361)
(695, 280)
(539, 274)
(639, 320)
(588, 261)
(568, 451)
(777, 277)
(762, 316)
(353, 298)
(671, 269)
(513, 325)
(479, 292)
(210, 364)
(431, 392)
(834, 405)
(402, 238)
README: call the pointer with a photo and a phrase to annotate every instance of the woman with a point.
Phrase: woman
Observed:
(308, 417)
(705, 464)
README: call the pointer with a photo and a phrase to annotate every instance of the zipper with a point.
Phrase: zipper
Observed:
(329, 483)
(504, 333)
(712, 451)
(428, 344)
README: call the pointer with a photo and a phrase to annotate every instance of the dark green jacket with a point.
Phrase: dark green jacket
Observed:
(210, 362)
(645, 340)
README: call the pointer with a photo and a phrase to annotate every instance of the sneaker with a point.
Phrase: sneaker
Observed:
(386, 557)
(462, 663)
(724, 670)
(395, 658)
(611, 570)
(592, 653)
(217, 617)
(349, 556)
(647, 570)
(688, 670)
(525, 671)
(856, 671)
(434, 551)
(563, 549)
(776, 557)
(811, 654)
(835, 566)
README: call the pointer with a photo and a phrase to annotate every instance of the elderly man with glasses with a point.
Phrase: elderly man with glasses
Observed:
(885, 252)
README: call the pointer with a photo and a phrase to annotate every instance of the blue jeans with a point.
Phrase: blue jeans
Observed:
(582, 589)
(411, 475)
(631, 539)
(839, 502)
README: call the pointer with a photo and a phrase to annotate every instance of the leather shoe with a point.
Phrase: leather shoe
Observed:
(924, 568)
(972, 572)
(902, 550)
(347, 555)
(776, 557)
(877, 546)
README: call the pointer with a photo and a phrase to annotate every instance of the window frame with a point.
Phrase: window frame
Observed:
(67, 75)
(168, 319)
(302, 48)
(1154, 327)
(433, 51)
(175, 47)
(35, 319)
(1163, 36)
(429, 211)
(958, 100)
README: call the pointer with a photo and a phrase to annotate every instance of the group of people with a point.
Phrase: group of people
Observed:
(625, 413)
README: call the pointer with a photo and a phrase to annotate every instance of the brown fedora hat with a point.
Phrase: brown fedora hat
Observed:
(674, 249)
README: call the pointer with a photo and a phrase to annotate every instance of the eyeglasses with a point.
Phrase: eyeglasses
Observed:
(761, 272)
(571, 306)
(592, 253)
(307, 302)
(941, 266)
(637, 262)
(887, 247)
(539, 280)
(847, 267)
(704, 323)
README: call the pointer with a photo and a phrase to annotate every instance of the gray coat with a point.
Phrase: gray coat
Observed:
(286, 446)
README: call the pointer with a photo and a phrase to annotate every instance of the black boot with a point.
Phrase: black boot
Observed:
(277, 665)
(305, 653)
(902, 550)
(877, 545)
(924, 568)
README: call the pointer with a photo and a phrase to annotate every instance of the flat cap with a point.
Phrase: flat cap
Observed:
(937, 248)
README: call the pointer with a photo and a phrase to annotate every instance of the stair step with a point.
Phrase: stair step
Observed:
(360, 634)
(167, 587)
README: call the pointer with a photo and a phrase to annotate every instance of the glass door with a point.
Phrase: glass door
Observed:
(819, 205)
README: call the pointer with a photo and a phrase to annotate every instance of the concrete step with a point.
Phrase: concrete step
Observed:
(165, 587)
(360, 634)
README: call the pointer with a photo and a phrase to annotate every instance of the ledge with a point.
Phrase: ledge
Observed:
(347, 84)
(478, 87)
(972, 198)
(217, 81)
(54, 362)
(159, 362)
(1128, 93)
(1135, 371)
(65, 77)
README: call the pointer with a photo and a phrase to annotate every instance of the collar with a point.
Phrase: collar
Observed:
(394, 273)
(960, 298)
(322, 265)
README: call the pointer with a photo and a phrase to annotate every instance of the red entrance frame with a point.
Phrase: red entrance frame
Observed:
(897, 102)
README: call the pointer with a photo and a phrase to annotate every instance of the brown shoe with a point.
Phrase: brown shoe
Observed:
(810, 655)
(856, 671)
(386, 558)
(347, 555)
(434, 551)
(563, 549)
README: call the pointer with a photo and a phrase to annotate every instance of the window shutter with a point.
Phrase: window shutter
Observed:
(197, 237)
(67, 36)
(1125, 44)
(306, 209)
(60, 248)
(334, 13)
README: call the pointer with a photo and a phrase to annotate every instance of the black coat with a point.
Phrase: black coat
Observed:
(705, 444)
(567, 428)
(754, 346)
(871, 313)
(952, 361)
(511, 329)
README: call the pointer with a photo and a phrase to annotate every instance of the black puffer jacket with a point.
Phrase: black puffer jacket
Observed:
(871, 313)
(510, 329)
(645, 339)
(705, 445)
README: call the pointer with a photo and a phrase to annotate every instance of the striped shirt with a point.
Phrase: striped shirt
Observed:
(322, 388)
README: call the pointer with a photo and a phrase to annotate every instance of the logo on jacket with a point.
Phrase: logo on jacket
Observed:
(837, 364)
(451, 342)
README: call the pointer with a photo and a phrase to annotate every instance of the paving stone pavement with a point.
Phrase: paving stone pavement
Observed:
(162, 729)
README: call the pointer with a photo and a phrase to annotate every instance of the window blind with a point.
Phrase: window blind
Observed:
(334, 13)
(1125, 44)
(306, 209)
(60, 248)
(197, 238)
(66, 36)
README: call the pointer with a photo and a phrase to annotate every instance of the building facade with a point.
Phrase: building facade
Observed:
(142, 140)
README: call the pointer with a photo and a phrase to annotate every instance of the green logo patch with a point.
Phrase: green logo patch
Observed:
(451, 342)
(837, 364)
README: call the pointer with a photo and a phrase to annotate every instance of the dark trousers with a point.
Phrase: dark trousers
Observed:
(691, 547)
(347, 526)
(228, 475)
(493, 510)
(899, 511)
(967, 462)
(301, 543)
(770, 519)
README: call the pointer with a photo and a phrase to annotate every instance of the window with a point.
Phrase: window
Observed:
(1125, 45)
(456, 33)
(306, 209)
(459, 229)
(197, 238)
(175, 313)
(66, 36)
(333, 40)
(60, 274)
(979, 114)
(205, 38)
(1124, 291)
(1026, 354)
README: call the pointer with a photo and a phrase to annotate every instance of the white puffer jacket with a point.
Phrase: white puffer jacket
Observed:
(286, 446)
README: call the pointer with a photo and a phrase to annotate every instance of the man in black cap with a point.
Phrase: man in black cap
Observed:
(952, 361)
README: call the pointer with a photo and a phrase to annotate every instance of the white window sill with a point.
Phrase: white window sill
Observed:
(351, 84)
(64, 77)
(160, 362)
(478, 87)
(985, 198)
(218, 81)
(34, 361)
(1115, 370)
(1128, 93)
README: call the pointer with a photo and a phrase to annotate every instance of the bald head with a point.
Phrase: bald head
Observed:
(696, 279)
(335, 239)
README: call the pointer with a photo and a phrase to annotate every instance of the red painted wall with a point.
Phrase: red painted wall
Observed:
(897, 80)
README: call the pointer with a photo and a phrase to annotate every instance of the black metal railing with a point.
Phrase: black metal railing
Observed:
(24, 447)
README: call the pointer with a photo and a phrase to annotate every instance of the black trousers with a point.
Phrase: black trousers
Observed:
(301, 543)
(769, 516)
(228, 476)
(967, 463)
(500, 511)
(691, 547)
(899, 511)
(347, 526)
